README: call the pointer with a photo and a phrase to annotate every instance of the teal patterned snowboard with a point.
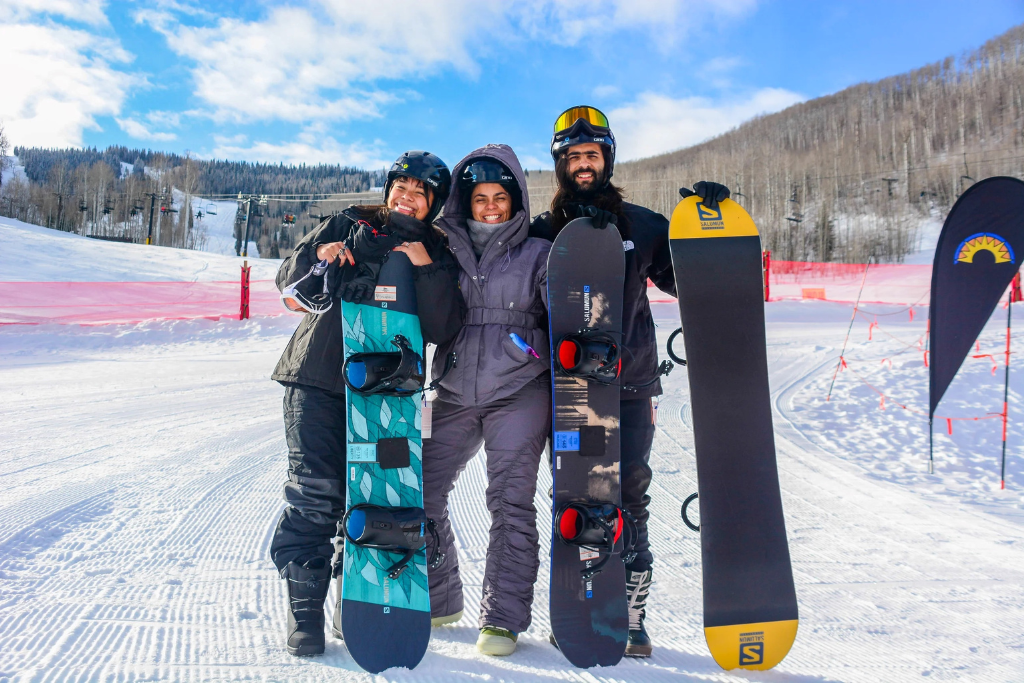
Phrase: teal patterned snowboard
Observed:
(385, 622)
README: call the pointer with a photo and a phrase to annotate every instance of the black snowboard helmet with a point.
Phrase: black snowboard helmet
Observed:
(487, 170)
(578, 125)
(427, 168)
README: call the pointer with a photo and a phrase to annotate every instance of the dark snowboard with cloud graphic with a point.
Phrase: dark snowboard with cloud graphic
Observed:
(589, 617)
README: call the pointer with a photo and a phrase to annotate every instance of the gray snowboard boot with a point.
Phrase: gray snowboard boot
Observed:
(638, 587)
(307, 590)
(339, 559)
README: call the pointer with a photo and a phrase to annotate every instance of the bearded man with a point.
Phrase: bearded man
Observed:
(583, 149)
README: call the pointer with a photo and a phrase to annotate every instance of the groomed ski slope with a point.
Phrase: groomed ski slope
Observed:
(31, 253)
(141, 468)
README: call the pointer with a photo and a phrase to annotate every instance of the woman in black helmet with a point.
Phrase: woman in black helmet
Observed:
(341, 259)
(497, 396)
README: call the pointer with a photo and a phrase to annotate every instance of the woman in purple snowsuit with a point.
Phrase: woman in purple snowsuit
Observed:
(498, 395)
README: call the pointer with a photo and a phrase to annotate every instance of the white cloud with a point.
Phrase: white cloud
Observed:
(84, 11)
(567, 22)
(603, 92)
(331, 60)
(310, 147)
(56, 81)
(655, 124)
(301, 65)
(141, 132)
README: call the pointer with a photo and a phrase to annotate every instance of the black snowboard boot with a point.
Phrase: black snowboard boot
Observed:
(638, 587)
(307, 590)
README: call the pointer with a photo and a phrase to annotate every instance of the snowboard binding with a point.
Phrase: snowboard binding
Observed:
(393, 530)
(671, 353)
(590, 354)
(385, 372)
(596, 528)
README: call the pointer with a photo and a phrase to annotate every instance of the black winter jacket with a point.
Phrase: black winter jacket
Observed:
(315, 354)
(647, 256)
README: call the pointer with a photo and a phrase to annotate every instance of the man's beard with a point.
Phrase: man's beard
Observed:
(591, 188)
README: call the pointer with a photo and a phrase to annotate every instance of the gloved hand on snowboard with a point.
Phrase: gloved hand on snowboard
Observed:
(369, 244)
(599, 218)
(709, 192)
(359, 282)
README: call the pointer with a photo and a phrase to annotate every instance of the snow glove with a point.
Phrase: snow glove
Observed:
(599, 218)
(359, 282)
(709, 192)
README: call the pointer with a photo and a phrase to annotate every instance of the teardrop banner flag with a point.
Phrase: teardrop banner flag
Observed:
(979, 251)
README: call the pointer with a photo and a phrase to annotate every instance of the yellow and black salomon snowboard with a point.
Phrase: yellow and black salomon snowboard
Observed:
(750, 609)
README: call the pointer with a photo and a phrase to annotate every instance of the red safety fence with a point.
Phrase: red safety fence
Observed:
(101, 303)
(888, 283)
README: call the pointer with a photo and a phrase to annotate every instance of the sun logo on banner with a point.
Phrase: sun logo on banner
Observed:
(984, 241)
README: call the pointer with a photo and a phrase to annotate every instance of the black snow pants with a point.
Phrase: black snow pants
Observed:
(314, 423)
(513, 431)
(636, 436)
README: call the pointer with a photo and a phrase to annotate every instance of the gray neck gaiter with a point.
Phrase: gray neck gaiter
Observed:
(481, 233)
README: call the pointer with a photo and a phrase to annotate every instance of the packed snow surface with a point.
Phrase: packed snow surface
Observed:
(32, 253)
(142, 466)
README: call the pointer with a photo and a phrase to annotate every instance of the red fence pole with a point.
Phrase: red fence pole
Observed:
(243, 311)
(1015, 293)
(1006, 391)
(766, 263)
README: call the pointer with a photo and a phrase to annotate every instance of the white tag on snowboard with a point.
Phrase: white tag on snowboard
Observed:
(385, 293)
(426, 418)
(587, 554)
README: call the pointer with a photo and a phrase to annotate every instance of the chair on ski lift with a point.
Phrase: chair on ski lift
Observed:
(211, 209)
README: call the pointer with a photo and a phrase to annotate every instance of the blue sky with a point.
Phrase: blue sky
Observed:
(359, 82)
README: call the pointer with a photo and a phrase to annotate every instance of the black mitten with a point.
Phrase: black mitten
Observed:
(359, 283)
(685, 192)
(711, 193)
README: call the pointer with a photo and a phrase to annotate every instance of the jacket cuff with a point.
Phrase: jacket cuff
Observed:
(429, 269)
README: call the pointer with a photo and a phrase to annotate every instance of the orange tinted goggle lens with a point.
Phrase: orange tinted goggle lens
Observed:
(293, 305)
(589, 114)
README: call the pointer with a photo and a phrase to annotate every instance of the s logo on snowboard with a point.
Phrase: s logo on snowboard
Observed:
(710, 219)
(751, 648)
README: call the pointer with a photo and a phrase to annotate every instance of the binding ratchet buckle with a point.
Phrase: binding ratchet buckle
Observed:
(590, 354)
(596, 528)
(393, 530)
(385, 372)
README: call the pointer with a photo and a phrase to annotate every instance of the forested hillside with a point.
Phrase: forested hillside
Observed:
(109, 192)
(849, 176)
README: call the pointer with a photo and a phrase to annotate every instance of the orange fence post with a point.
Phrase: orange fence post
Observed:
(766, 266)
(243, 311)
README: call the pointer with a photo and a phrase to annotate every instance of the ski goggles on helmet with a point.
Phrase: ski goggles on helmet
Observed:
(305, 295)
(487, 171)
(579, 125)
(595, 117)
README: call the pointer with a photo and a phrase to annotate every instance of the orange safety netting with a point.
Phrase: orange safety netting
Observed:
(100, 303)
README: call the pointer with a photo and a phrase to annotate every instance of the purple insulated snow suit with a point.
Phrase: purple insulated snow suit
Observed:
(498, 396)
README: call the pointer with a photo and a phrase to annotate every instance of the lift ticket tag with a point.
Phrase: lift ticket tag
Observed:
(385, 293)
